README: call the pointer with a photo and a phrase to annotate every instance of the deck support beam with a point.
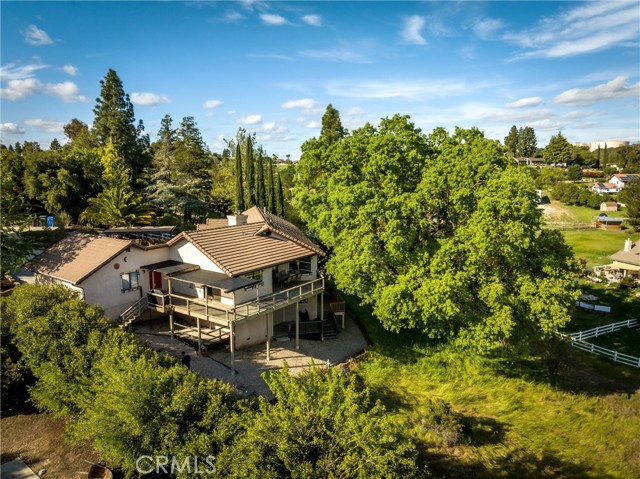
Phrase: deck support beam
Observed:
(199, 337)
(268, 339)
(232, 343)
(297, 325)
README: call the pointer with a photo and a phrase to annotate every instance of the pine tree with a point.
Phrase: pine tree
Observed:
(239, 203)
(332, 129)
(511, 140)
(271, 191)
(279, 197)
(261, 195)
(115, 121)
(55, 145)
(250, 174)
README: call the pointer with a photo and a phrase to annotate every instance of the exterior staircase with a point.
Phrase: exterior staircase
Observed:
(134, 312)
(329, 330)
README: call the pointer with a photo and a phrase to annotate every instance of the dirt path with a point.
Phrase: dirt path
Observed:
(37, 440)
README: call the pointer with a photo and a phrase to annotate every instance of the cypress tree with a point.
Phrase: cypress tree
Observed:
(239, 203)
(250, 175)
(279, 197)
(271, 191)
(605, 157)
(261, 196)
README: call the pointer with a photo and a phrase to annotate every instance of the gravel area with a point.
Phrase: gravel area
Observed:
(251, 362)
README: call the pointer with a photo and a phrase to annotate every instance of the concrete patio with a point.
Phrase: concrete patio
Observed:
(251, 362)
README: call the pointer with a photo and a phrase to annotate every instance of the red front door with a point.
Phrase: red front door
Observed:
(155, 280)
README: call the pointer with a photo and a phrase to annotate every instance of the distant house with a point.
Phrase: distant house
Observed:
(605, 188)
(238, 278)
(621, 179)
(627, 260)
(609, 206)
(604, 222)
(530, 161)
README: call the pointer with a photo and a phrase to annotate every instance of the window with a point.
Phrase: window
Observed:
(304, 265)
(255, 275)
(129, 281)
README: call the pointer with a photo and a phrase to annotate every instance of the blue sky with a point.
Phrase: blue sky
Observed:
(272, 67)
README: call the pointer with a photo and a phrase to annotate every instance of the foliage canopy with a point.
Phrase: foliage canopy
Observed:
(440, 233)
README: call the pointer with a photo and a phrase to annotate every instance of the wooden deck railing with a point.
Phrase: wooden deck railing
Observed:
(281, 298)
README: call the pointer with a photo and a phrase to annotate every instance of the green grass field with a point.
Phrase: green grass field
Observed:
(519, 423)
(597, 245)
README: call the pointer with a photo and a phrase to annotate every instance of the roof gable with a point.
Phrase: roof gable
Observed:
(629, 257)
(78, 256)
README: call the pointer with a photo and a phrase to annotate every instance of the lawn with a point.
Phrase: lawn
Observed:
(597, 245)
(625, 341)
(624, 305)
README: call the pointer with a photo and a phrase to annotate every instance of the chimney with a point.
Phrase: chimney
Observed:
(237, 219)
(627, 245)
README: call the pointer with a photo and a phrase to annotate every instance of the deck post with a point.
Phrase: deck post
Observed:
(171, 321)
(297, 325)
(321, 315)
(232, 343)
(199, 336)
(268, 339)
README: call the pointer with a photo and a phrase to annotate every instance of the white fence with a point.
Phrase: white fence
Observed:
(577, 341)
(607, 328)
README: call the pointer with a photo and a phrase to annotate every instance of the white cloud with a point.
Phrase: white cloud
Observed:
(149, 99)
(14, 72)
(273, 127)
(49, 126)
(314, 20)
(232, 16)
(313, 124)
(411, 30)
(337, 55)
(11, 128)
(354, 110)
(70, 70)
(485, 28)
(302, 104)
(36, 36)
(614, 89)
(67, 91)
(212, 104)
(398, 89)
(231, 112)
(586, 28)
(522, 102)
(249, 120)
(273, 19)
(19, 89)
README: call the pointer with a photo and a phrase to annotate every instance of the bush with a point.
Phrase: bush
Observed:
(322, 426)
(442, 422)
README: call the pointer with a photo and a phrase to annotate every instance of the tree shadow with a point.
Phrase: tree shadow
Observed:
(516, 463)
(570, 370)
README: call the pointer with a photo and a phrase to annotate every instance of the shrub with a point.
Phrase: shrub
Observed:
(442, 422)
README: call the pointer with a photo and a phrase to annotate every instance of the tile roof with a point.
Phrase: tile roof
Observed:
(629, 257)
(241, 249)
(281, 227)
(78, 256)
(625, 177)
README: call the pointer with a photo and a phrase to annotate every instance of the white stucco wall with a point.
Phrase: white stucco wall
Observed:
(188, 253)
(104, 287)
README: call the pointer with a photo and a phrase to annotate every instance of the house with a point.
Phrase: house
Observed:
(239, 282)
(103, 271)
(604, 188)
(627, 260)
(621, 179)
(609, 206)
